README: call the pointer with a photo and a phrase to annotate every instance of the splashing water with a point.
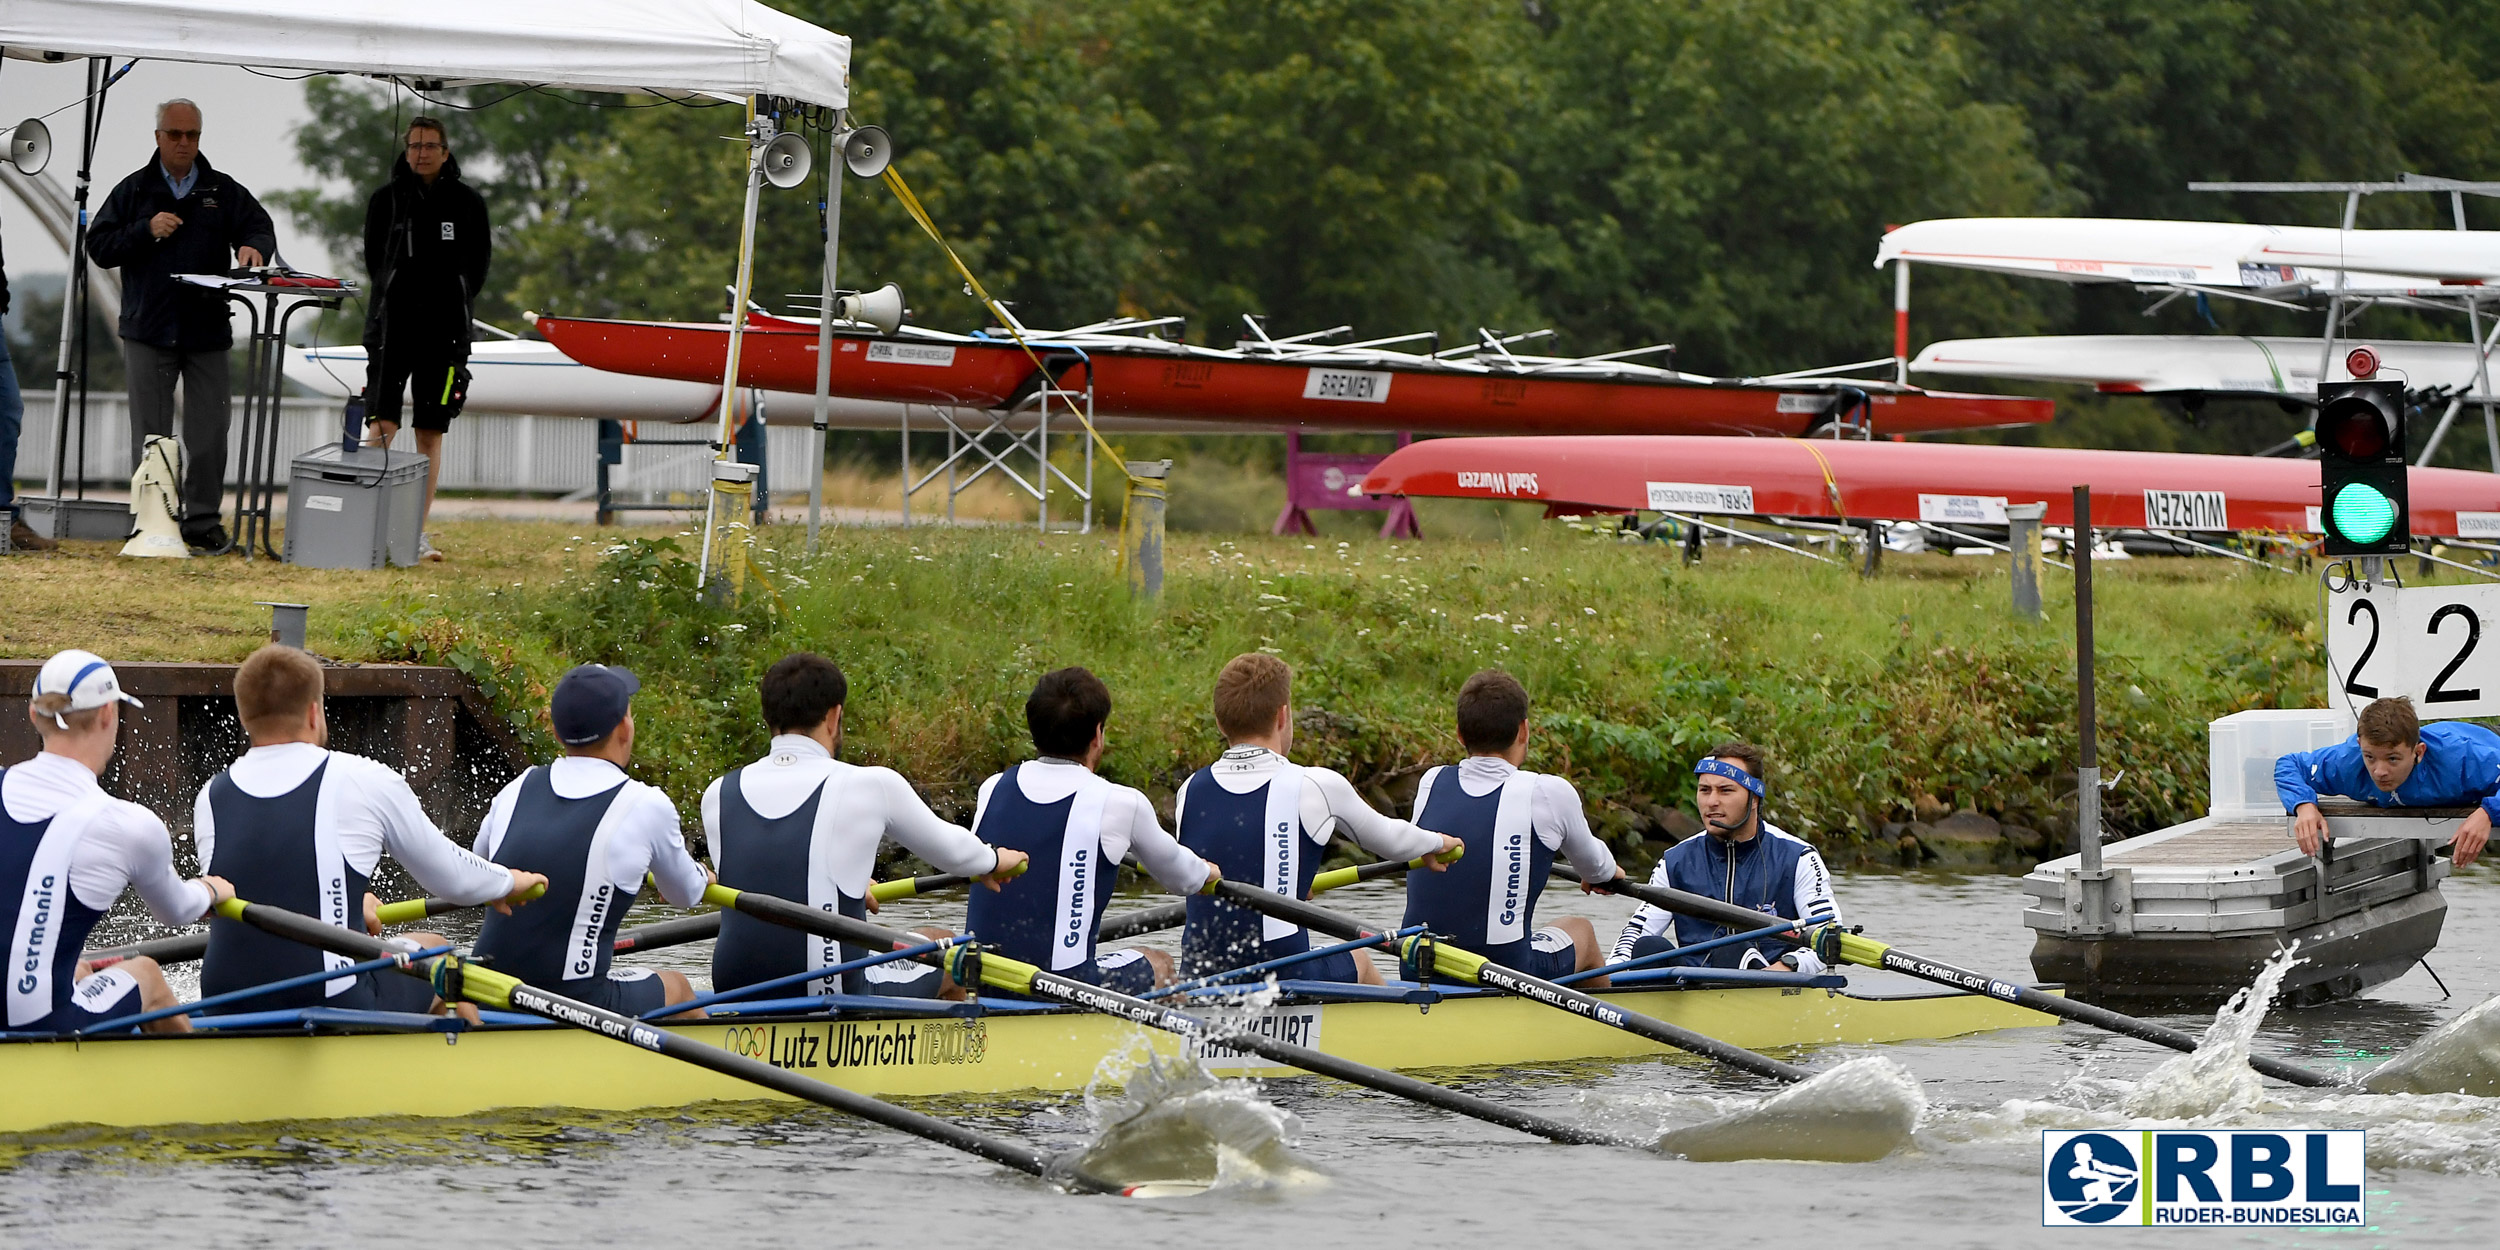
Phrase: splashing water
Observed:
(2459, 1057)
(1856, 1112)
(1174, 1129)
(2215, 1079)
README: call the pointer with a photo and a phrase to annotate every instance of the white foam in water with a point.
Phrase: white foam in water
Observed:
(2215, 1078)
(2459, 1057)
(1855, 1112)
(1174, 1129)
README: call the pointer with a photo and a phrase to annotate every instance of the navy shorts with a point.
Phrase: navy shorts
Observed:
(625, 991)
(1549, 956)
(105, 996)
(1124, 972)
(900, 978)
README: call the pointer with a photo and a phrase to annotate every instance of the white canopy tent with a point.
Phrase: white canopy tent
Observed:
(729, 49)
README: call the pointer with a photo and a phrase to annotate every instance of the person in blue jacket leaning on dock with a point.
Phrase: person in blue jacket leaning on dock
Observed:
(2394, 760)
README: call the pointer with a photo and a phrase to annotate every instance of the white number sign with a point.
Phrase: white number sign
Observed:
(2425, 641)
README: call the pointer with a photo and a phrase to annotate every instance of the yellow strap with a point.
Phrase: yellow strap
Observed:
(911, 204)
(1830, 483)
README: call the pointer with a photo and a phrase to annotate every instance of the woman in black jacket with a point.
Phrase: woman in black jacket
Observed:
(427, 247)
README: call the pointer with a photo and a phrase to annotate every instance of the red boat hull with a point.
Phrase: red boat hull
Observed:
(1832, 478)
(781, 356)
(1280, 394)
(1229, 393)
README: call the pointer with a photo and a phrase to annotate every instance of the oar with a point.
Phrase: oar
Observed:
(1867, 952)
(1469, 968)
(456, 978)
(1174, 915)
(1000, 972)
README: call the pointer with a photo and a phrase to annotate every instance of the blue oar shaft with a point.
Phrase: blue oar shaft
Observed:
(256, 991)
(795, 978)
(1262, 969)
(1697, 948)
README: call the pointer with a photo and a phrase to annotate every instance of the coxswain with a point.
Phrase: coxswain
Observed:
(1259, 817)
(1513, 822)
(2394, 760)
(803, 824)
(296, 825)
(592, 833)
(1740, 858)
(67, 849)
(1077, 827)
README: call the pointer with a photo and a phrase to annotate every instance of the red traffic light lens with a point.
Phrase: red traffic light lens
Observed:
(2357, 426)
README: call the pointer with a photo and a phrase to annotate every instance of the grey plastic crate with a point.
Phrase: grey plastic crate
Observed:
(357, 509)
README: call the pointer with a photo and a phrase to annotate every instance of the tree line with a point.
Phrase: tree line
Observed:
(1711, 173)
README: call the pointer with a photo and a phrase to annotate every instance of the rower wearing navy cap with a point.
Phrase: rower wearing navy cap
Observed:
(296, 825)
(802, 824)
(1513, 823)
(1259, 817)
(593, 833)
(67, 849)
(1077, 826)
(1741, 859)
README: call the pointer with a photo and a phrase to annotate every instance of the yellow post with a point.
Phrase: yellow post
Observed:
(1141, 527)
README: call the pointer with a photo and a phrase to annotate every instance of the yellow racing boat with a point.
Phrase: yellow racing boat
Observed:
(324, 1065)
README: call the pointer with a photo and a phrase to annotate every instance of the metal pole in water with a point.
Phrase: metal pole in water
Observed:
(2088, 774)
(2023, 536)
(1143, 527)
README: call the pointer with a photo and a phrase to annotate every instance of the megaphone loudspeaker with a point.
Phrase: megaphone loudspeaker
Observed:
(154, 513)
(787, 160)
(30, 146)
(867, 151)
(882, 308)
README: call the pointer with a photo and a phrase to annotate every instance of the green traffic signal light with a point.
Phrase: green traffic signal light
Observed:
(2363, 514)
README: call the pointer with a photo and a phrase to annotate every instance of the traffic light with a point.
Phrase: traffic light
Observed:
(2361, 468)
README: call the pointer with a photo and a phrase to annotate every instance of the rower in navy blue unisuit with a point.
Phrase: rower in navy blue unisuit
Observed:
(1259, 817)
(1077, 827)
(2394, 760)
(295, 825)
(1740, 859)
(802, 825)
(67, 850)
(593, 833)
(1513, 823)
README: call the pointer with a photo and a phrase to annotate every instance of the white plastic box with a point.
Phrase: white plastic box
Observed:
(2244, 746)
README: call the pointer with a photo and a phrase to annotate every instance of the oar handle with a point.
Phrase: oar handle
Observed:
(914, 887)
(412, 910)
(1339, 878)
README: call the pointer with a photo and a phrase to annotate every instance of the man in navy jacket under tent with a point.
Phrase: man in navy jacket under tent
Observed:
(2394, 760)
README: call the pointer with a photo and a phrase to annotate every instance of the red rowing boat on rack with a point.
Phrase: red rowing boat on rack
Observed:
(1281, 387)
(1887, 481)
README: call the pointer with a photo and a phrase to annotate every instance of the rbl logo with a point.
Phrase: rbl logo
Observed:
(2245, 1177)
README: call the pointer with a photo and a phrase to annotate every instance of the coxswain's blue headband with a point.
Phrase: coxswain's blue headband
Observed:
(1721, 768)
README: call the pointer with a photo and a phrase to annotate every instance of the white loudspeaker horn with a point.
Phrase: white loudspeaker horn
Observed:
(154, 514)
(867, 151)
(787, 160)
(30, 146)
(882, 308)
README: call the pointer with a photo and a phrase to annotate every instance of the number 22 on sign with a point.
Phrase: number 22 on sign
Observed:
(2424, 641)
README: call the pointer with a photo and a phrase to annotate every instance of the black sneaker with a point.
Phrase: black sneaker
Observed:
(211, 539)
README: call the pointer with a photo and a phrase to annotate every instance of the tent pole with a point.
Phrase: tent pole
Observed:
(722, 451)
(73, 305)
(824, 336)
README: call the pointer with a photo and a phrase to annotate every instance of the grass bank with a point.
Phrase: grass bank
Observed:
(1885, 703)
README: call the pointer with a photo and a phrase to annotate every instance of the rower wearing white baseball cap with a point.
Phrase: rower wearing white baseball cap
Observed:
(67, 849)
(296, 825)
(594, 832)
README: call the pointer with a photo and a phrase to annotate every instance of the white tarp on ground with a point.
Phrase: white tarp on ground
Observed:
(673, 47)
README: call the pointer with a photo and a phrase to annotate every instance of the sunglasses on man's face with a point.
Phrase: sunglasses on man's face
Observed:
(178, 135)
